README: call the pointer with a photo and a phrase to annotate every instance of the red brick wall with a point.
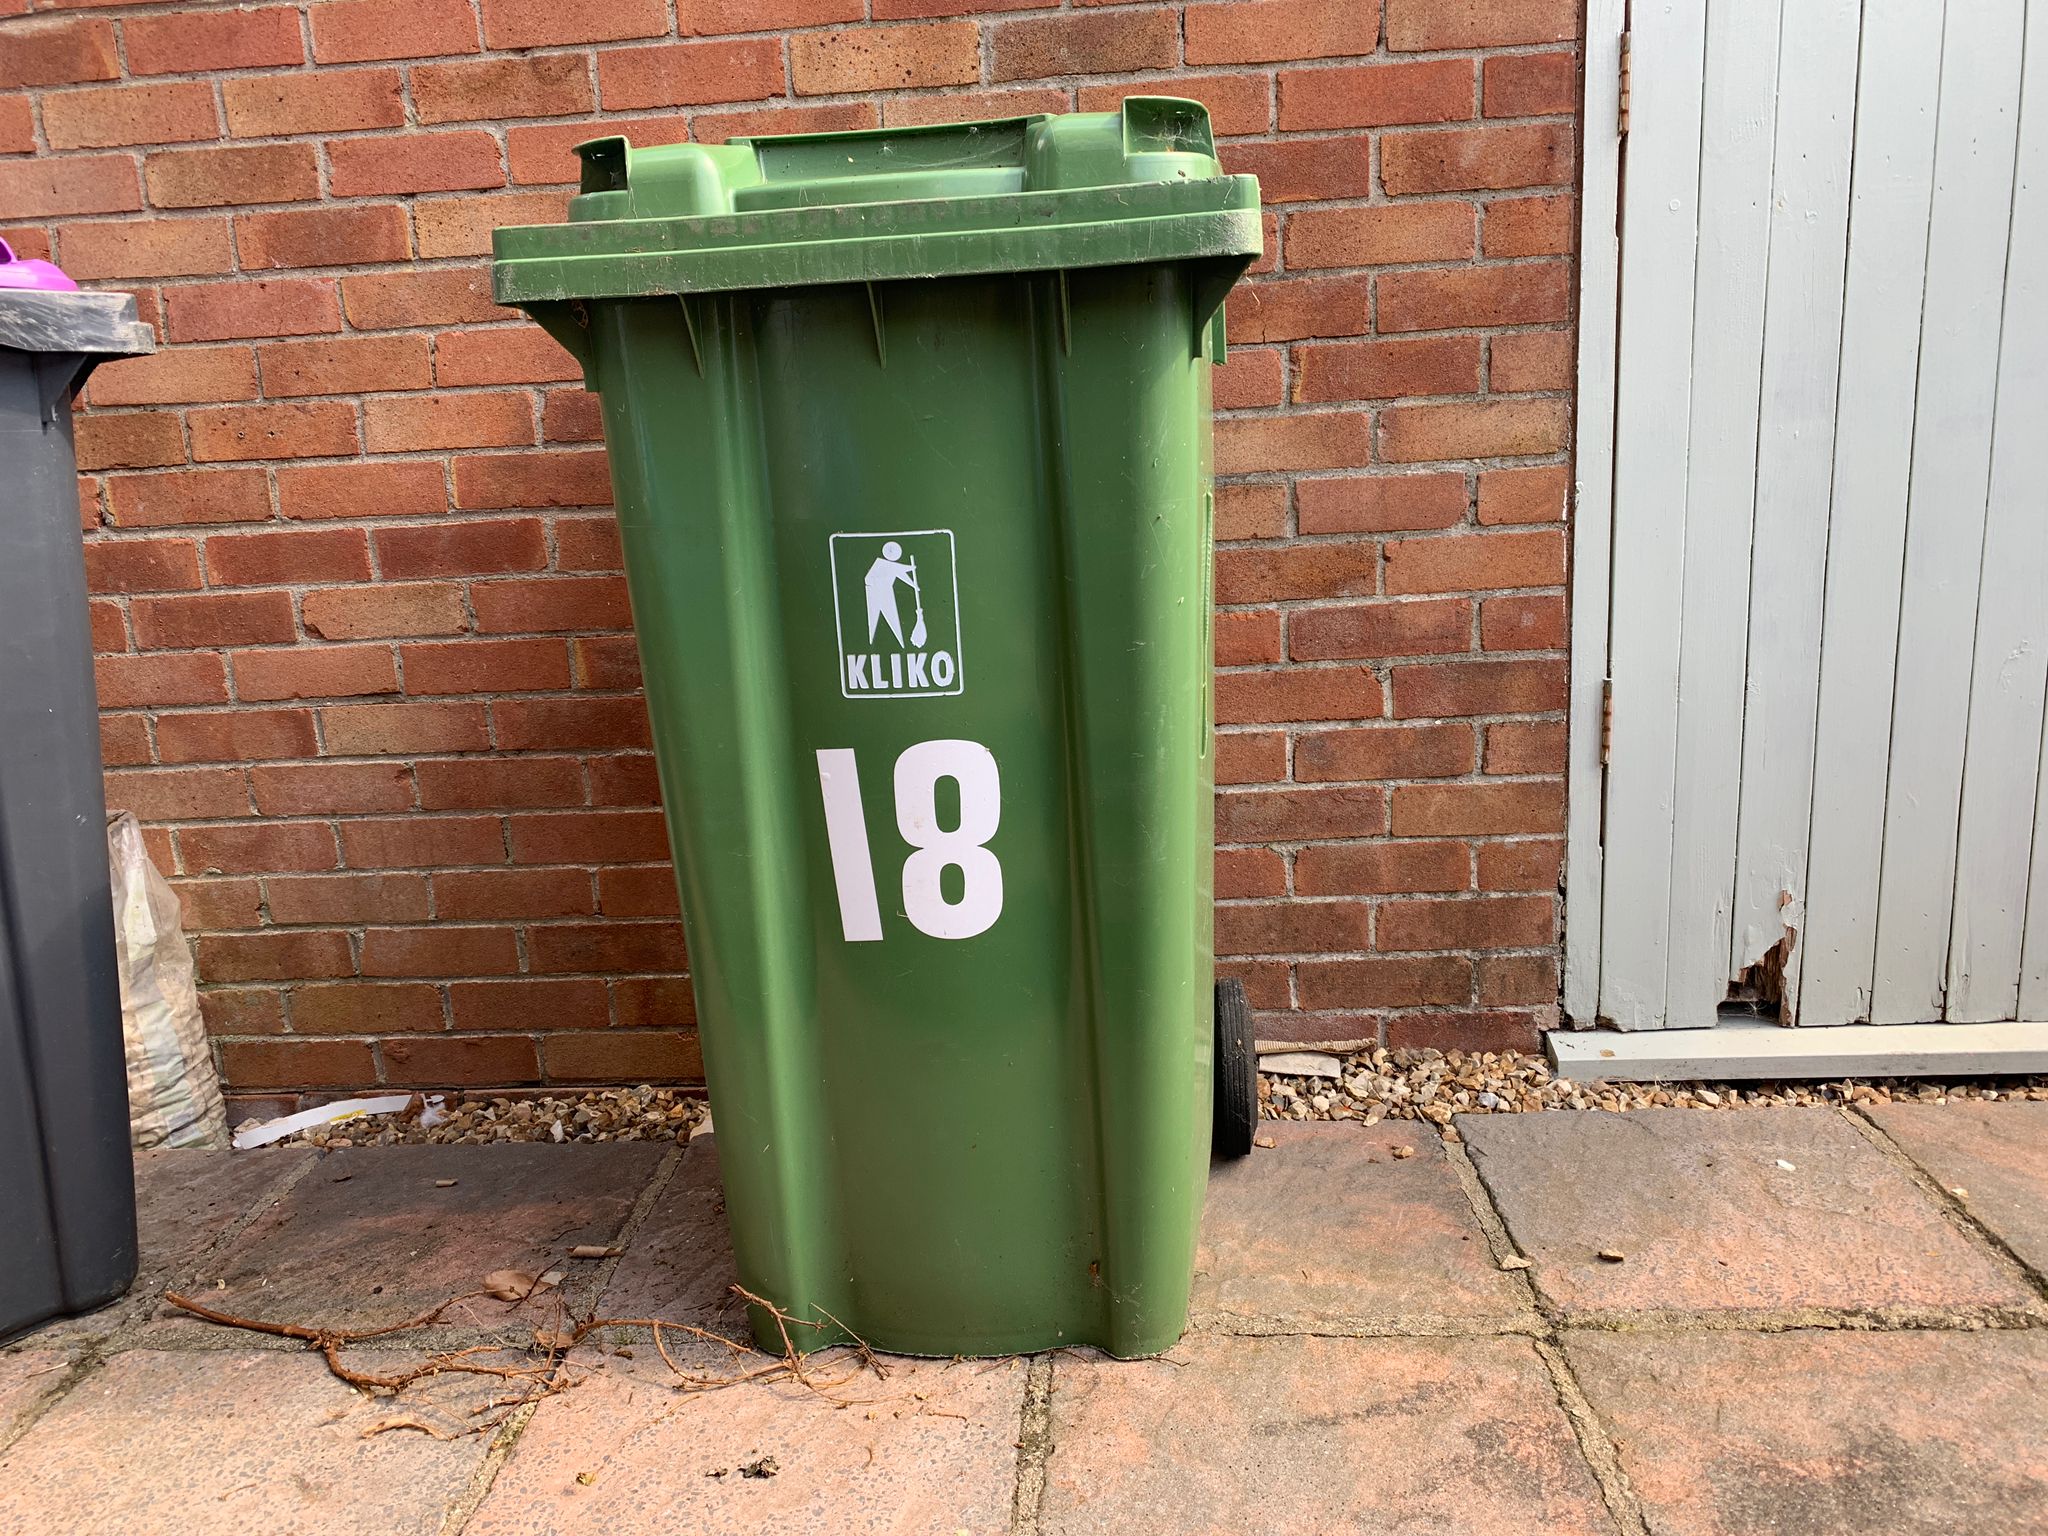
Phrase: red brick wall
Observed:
(366, 668)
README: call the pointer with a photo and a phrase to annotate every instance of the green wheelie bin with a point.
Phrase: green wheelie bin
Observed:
(909, 433)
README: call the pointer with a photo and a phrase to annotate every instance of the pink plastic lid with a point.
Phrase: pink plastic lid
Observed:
(16, 273)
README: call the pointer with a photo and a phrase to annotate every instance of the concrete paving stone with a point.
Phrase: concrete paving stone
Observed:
(930, 1449)
(229, 1443)
(1706, 1218)
(27, 1376)
(680, 1267)
(1996, 1152)
(1453, 1437)
(1329, 1226)
(370, 1238)
(1827, 1433)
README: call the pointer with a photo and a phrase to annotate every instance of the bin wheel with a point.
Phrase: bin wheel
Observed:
(1237, 1073)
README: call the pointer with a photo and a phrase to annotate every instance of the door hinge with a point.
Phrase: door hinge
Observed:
(1621, 116)
(1606, 722)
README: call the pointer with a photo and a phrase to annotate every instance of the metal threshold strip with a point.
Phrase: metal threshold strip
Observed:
(1756, 1051)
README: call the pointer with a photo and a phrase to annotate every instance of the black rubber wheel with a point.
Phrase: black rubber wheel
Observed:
(1237, 1073)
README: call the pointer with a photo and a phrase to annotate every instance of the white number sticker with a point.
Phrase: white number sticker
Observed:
(935, 849)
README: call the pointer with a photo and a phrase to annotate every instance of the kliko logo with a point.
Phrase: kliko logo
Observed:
(896, 598)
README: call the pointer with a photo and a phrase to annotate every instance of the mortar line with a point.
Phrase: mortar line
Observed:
(636, 1218)
(1595, 1447)
(466, 1504)
(1034, 1447)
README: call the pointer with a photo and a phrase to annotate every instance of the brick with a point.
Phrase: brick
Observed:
(1518, 979)
(213, 40)
(686, 74)
(69, 52)
(1377, 236)
(605, 948)
(1525, 746)
(1250, 757)
(1237, 103)
(974, 106)
(1319, 693)
(525, 894)
(559, 478)
(1265, 981)
(317, 430)
(587, 544)
(313, 101)
(560, 23)
(346, 898)
(1505, 809)
(109, 116)
(353, 31)
(717, 17)
(1384, 370)
(1532, 85)
(1380, 503)
(1377, 95)
(642, 891)
(1532, 495)
(641, 1002)
(1289, 308)
(1385, 983)
(1476, 159)
(607, 661)
(1250, 512)
(462, 226)
(134, 565)
(366, 613)
(298, 1064)
(1268, 31)
(239, 173)
(1522, 624)
(315, 672)
(1244, 639)
(440, 950)
(44, 188)
(1476, 562)
(880, 58)
(1523, 294)
(109, 625)
(235, 736)
(459, 1061)
(1107, 42)
(460, 549)
(1305, 440)
(329, 789)
(212, 620)
(315, 491)
(215, 905)
(186, 496)
(124, 740)
(379, 301)
(1332, 569)
(157, 247)
(1421, 25)
(358, 1008)
(589, 837)
(461, 161)
(1531, 360)
(132, 440)
(1382, 868)
(151, 681)
(344, 365)
(1300, 815)
(252, 308)
(265, 847)
(506, 355)
(179, 794)
(822, 117)
(1304, 169)
(1522, 866)
(17, 126)
(1294, 927)
(1478, 688)
(639, 1056)
(1403, 628)
(486, 666)
(546, 152)
(287, 557)
(323, 237)
(529, 1002)
(623, 778)
(551, 603)
(1479, 922)
(498, 783)
(365, 730)
(417, 842)
(176, 376)
(1242, 873)
(447, 421)
(476, 90)
(1486, 429)
(565, 724)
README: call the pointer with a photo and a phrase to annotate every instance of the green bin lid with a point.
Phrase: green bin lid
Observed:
(1017, 195)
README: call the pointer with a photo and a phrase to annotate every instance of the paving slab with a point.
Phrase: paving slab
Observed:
(930, 1449)
(373, 1236)
(1454, 1437)
(1329, 1227)
(229, 1443)
(1707, 1216)
(1827, 1433)
(680, 1266)
(27, 1376)
(1996, 1152)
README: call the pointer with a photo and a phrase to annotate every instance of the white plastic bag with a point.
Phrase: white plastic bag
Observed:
(173, 1093)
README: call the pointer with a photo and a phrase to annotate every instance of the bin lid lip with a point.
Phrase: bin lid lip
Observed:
(80, 321)
(1141, 184)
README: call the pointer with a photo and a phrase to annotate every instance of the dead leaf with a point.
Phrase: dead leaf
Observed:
(596, 1251)
(764, 1466)
(1264, 1141)
(517, 1284)
(392, 1421)
(553, 1339)
(586, 1478)
(444, 1183)
(1612, 1255)
(1514, 1261)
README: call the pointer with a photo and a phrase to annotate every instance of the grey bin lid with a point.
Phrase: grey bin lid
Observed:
(88, 324)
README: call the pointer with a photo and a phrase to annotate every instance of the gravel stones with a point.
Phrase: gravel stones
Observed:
(608, 1114)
